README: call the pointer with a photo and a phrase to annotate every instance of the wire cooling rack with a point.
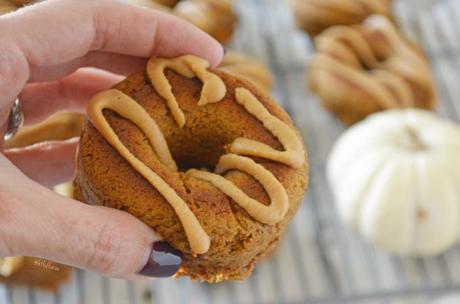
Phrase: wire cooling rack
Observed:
(319, 261)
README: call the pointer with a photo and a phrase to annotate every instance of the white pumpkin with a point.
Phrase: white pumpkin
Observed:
(396, 180)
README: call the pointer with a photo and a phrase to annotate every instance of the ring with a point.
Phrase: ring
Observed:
(15, 121)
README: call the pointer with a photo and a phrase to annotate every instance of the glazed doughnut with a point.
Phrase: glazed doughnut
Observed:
(359, 70)
(216, 17)
(22, 2)
(169, 3)
(249, 68)
(60, 126)
(33, 272)
(314, 16)
(7, 7)
(206, 159)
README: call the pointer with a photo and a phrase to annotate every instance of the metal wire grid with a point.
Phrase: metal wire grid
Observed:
(318, 261)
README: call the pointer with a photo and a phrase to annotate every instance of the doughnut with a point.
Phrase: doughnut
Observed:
(371, 67)
(7, 7)
(314, 16)
(22, 2)
(213, 165)
(169, 3)
(34, 273)
(243, 66)
(216, 17)
(60, 126)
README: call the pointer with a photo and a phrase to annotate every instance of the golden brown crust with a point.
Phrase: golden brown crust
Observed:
(237, 240)
(314, 16)
(39, 273)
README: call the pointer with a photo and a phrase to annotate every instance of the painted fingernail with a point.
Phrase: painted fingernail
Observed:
(164, 261)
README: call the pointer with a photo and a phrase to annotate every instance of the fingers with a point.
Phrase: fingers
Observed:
(37, 222)
(56, 32)
(115, 63)
(48, 36)
(40, 100)
(48, 163)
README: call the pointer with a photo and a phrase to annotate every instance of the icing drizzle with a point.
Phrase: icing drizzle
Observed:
(188, 66)
(271, 214)
(292, 156)
(126, 107)
(214, 90)
(343, 51)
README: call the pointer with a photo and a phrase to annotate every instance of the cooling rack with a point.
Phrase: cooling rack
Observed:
(319, 261)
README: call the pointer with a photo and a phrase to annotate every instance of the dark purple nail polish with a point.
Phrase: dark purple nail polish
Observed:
(164, 261)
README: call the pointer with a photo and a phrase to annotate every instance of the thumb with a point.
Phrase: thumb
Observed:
(38, 222)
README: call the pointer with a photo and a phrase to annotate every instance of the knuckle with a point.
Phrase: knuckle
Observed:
(13, 66)
(119, 248)
(106, 248)
(106, 28)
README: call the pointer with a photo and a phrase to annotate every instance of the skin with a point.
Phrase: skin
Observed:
(55, 55)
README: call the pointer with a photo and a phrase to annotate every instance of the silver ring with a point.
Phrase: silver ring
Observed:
(15, 121)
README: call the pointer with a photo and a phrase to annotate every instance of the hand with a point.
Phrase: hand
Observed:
(42, 48)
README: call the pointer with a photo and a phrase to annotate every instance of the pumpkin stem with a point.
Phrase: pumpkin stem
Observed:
(414, 142)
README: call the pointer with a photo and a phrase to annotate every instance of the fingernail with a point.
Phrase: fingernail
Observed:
(164, 261)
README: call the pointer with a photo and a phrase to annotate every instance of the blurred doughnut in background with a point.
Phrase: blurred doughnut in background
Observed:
(314, 16)
(60, 126)
(249, 68)
(216, 17)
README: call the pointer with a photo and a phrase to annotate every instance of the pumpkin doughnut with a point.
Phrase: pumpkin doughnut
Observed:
(314, 16)
(22, 2)
(33, 272)
(207, 160)
(7, 7)
(249, 68)
(216, 17)
(169, 3)
(359, 70)
(60, 126)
